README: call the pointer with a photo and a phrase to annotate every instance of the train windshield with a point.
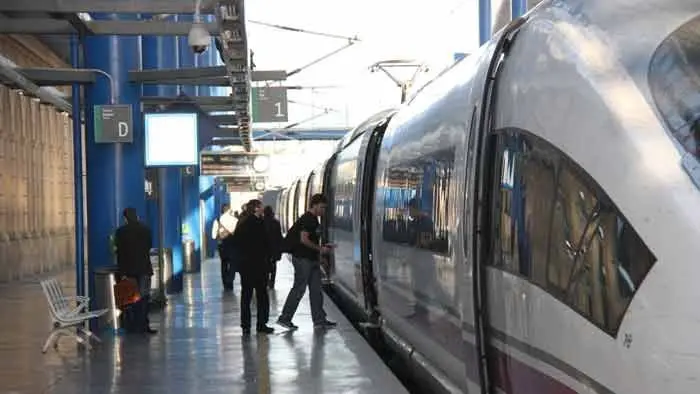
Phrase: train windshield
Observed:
(674, 79)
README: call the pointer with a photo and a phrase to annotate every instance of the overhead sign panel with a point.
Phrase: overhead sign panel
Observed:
(270, 104)
(113, 124)
(233, 164)
(244, 184)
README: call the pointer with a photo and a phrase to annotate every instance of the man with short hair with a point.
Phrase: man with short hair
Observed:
(133, 244)
(250, 238)
(305, 247)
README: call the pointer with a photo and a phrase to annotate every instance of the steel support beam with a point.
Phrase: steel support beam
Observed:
(48, 26)
(156, 76)
(58, 77)
(10, 74)
(268, 75)
(292, 134)
(224, 119)
(199, 100)
(232, 43)
(215, 107)
(107, 6)
(36, 26)
(203, 76)
(145, 28)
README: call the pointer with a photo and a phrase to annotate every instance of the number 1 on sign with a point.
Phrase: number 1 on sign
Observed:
(279, 113)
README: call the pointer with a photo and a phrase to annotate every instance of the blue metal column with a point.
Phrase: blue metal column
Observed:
(484, 21)
(191, 226)
(161, 52)
(191, 212)
(206, 201)
(115, 172)
(518, 8)
(185, 56)
(78, 173)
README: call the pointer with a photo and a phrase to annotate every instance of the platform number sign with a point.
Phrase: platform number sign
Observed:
(270, 104)
(113, 124)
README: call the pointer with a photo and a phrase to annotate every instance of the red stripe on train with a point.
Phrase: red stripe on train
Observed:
(516, 377)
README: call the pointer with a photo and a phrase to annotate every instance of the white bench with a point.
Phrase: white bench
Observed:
(68, 315)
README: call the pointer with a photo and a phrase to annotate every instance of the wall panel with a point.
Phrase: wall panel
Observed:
(36, 174)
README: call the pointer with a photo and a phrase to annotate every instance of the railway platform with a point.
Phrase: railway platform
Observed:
(199, 348)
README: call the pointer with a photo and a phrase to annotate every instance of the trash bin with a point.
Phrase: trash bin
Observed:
(105, 279)
(191, 263)
(157, 300)
(167, 270)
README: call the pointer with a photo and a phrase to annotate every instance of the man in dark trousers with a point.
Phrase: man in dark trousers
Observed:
(222, 231)
(133, 243)
(250, 239)
(304, 241)
(274, 237)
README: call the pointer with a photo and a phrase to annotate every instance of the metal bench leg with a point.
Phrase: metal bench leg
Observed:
(90, 335)
(80, 339)
(52, 339)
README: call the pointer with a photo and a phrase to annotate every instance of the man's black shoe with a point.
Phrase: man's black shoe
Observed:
(149, 330)
(326, 324)
(246, 330)
(266, 330)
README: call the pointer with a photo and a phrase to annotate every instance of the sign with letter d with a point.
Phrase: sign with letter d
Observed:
(113, 124)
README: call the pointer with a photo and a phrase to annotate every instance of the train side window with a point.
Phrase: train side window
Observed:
(557, 228)
(674, 84)
(416, 195)
(526, 188)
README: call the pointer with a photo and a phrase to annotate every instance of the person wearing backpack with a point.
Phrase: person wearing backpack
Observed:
(303, 243)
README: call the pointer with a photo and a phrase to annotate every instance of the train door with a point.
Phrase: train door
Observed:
(327, 190)
(479, 248)
(368, 188)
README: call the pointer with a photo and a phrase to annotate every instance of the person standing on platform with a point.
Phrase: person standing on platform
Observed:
(250, 239)
(303, 241)
(221, 231)
(133, 244)
(274, 237)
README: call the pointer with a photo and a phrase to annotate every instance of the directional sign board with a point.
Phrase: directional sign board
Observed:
(244, 184)
(233, 164)
(270, 104)
(113, 124)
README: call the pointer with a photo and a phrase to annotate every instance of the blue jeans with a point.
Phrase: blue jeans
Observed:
(306, 272)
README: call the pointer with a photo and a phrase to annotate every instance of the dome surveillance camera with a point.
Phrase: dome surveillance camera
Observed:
(198, 39)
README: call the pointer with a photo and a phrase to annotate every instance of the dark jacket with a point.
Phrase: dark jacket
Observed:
(274, 238)
(250, 240)
(134, 243)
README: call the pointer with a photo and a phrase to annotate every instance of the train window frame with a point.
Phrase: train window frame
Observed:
(565, 162)
(404, 205)
(354, 150)
(666, 61)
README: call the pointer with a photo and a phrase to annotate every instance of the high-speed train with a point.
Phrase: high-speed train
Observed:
(529, 222)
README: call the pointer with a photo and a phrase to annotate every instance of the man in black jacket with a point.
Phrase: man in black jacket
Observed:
(274, 238)
(250, 238)
(133, 242)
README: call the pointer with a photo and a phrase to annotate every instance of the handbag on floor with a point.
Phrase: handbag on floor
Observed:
(126, 292)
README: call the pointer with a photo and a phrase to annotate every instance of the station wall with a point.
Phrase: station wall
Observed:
(36, 174)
